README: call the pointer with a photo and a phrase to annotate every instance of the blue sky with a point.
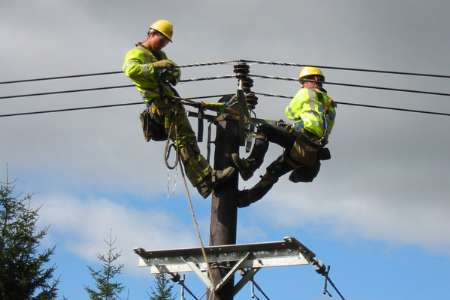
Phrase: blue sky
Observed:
(378, 212)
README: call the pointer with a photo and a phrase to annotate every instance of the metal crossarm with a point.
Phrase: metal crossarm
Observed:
(272, 254)
(248, 258)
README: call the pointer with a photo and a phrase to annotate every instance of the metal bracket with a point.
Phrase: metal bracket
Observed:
(247, 276)
(247, 257)
(230, 274)
(203, 277)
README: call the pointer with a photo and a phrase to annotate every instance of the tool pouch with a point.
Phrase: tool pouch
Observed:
(152, 126)
(304, 173)
(302, 154)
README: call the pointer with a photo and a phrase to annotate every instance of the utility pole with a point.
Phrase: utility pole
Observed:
(224, 208)
(229, 136)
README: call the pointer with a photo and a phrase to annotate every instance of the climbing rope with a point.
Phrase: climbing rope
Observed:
(191, 206)
(167, 150)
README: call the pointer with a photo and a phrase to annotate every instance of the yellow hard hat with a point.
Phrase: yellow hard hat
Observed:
(310, 71)
(164, 27)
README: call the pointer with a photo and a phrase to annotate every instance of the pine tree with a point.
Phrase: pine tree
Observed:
(23, 271)
(107, 288)
(163, 289)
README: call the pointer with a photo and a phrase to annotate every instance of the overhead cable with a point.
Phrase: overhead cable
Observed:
(108, 87)
(108, 73)
(235, 61)
(68, 91)
(224, 77)
(60, 77)
(355, 85)
(347, 68)
(367, 105)
(95, 107)
(260, 289)
(213, 96)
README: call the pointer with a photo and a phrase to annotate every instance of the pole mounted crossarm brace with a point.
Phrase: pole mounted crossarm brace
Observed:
(247, 258)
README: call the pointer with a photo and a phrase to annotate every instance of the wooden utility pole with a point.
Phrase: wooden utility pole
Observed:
(224, 208)
(229, 136)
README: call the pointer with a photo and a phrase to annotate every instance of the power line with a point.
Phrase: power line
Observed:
(107, 73)
(367, 105)
(108, 87)
(214, 96)
(60, 77)
(95, 107)
(347, 68)
(68, 109)
(68, 91)
(226, 77)
(235, 61)
(356, 85)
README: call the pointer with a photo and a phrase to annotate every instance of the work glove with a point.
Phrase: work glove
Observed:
(281, 123)
(163, 64)
(173, 75)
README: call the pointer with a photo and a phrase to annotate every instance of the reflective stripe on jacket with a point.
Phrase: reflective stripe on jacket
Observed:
(138, 66)
(313, 110)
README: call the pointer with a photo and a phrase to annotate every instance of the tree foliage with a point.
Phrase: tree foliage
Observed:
(106, 285)
(23, 271)
(163, 289)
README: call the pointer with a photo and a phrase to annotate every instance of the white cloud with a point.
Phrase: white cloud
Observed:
(82, 225)
(386, 165)
(424, 222)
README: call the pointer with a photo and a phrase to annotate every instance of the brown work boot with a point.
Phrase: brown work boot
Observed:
(243, 165)
(204, 188)
(221, 176)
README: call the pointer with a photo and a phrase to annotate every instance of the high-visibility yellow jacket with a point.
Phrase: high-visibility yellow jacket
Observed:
(139, 68)
(313, 110)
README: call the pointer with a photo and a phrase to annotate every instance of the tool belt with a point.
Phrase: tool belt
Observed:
(307, 150)
(153, 125)
(312, 140)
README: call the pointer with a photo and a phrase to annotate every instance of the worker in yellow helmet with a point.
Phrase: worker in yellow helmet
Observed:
(313, 113)
(154, 76)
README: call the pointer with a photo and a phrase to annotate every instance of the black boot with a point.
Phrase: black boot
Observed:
(248, 166)
(247, 197)
(274, 171)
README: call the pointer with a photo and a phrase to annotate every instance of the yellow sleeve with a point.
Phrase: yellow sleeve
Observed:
(135, 67)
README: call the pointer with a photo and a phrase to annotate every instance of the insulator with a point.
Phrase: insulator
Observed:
(241, 70)
(247, 83)
(252, 100)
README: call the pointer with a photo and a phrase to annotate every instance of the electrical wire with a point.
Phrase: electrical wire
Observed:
(107, 88)
(67, 91)
(260, 289)
(366, 105)
(236, 61)
(68, 109)
(346, 68)
(96, 107)
(107, 73)
(221, 77)
(214, 96)
(355, 85)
